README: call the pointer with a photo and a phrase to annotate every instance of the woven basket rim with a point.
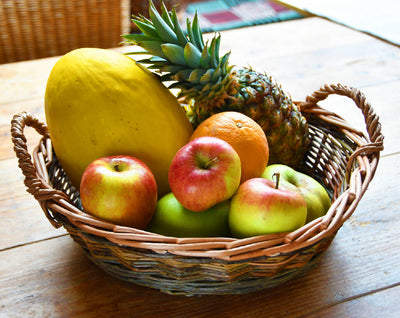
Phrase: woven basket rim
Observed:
(360, 170)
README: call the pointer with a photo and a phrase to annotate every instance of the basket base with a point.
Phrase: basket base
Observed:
(178, 275)
(204, 286)
(182, 275)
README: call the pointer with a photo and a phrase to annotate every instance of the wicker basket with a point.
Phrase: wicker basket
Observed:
(340, 157)
(41, 28)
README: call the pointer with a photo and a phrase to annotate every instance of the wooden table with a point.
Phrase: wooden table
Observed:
(44, 274)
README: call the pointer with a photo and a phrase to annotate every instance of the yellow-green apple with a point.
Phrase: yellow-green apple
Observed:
(317, 198)
(172, 219)
(204, 172)
(260, 207)
(119, 189)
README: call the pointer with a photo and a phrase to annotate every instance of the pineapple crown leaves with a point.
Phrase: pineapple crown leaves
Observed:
(182, 57)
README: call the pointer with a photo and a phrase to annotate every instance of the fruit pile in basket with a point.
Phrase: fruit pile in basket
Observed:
(221, 165)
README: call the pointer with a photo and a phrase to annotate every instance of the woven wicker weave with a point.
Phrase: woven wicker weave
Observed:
(342, 158)
(41, 28)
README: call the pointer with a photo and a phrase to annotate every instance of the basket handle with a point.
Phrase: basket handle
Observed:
(35, 184)
(373, 126)
(371, 119)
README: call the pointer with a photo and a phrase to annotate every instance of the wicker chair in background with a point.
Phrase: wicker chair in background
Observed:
(31, 29)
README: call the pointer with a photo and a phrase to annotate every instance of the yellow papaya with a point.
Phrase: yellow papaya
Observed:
(101, 102)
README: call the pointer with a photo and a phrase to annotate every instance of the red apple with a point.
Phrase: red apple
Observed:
(258, 207)
(204, 172)
(119, 189)
(316, 197)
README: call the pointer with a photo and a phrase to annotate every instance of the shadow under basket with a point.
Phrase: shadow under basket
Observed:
(342, 158)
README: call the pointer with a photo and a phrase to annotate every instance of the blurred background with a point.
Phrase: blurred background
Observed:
(31, 29)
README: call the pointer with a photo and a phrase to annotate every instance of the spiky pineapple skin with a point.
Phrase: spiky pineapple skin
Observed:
(259, 97)
(208, 84)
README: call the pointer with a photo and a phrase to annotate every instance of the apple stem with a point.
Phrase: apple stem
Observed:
(215, 159)
(277, 176)
(116, 167)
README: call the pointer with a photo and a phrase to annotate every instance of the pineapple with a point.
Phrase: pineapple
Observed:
(208, 84)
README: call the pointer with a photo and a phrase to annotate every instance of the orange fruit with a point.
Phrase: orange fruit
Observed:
(244, 135)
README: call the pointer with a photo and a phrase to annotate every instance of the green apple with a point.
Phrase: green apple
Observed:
(260, 207)
(172, 219)
(315, 195)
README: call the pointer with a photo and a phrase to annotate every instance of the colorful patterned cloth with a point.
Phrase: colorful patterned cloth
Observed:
(218, 15)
